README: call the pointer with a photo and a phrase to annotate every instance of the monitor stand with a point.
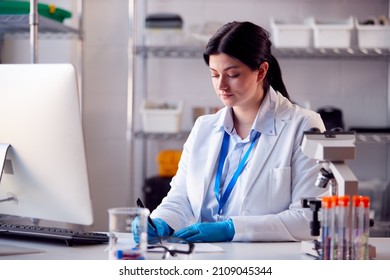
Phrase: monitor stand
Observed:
(3, 154)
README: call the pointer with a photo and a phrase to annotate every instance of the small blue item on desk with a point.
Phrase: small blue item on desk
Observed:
(129, 254)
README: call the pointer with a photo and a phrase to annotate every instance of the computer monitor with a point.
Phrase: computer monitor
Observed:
(45, 166)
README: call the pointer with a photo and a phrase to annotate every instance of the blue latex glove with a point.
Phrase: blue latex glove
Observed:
(162, 229)
(208, 232)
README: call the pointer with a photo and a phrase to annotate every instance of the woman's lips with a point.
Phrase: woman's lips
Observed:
(225, 94)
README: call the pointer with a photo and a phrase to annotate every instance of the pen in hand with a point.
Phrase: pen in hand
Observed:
(150, 221)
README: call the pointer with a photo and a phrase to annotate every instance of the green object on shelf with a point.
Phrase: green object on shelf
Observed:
(23, 7)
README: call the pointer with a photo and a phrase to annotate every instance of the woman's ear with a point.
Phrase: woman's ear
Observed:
(263, 69)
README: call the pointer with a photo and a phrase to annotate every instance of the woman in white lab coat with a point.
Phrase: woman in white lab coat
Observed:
(242, 174)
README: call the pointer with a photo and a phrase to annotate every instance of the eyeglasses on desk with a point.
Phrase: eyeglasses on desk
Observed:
(171, 247)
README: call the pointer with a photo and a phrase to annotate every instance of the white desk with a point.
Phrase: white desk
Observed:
(232, 250)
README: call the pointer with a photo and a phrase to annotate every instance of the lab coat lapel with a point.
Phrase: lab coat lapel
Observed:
(276, 112)
(264, 148)
(214, 150)
(198, 194)
(212, 158)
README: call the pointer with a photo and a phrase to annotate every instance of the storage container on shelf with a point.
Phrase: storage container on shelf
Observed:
(50, 11)
(291, 34)
(333, 33)
(164, 29)
(371, 36)
(201, 33)
(161, 117)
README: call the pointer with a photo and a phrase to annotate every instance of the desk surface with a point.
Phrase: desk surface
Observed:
(232, 250)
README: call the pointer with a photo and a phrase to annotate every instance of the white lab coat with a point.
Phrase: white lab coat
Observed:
(279, 175)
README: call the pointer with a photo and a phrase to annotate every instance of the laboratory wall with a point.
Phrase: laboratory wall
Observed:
(115, 81)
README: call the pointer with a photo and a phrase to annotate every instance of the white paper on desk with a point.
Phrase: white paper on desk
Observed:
(199, 248)
(9, 250)
(207, 248)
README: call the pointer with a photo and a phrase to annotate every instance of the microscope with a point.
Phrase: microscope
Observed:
(331, 149)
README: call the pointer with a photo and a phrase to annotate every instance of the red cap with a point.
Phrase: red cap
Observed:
(334, 200)
(366, 201)
(343, 200)
(356, 200)
(326, 202)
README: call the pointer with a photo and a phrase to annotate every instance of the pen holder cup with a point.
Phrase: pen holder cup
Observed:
(124, 224)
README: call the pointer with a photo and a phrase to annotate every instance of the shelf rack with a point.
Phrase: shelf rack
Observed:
(374, 138)
(18, 25)
(182, 135)
(371, 137)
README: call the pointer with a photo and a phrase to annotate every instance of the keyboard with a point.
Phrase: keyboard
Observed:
(43, 233)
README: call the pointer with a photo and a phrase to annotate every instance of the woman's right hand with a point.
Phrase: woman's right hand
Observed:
(161, 229)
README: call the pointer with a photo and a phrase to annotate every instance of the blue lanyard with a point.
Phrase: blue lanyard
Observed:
(222, 199)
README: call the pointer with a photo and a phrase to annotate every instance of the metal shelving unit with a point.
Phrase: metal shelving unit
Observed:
(332, 53)
(369, 138)
(191, 52)
(373, 138)
(36, 27)
(301, 53)
(182, 135)
(19, 24)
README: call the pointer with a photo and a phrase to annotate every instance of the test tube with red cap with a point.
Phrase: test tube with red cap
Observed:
(360, 227)
(343, 228)
(326, 237)
(333, 227)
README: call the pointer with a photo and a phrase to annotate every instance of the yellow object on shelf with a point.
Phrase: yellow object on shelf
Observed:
(168, 161)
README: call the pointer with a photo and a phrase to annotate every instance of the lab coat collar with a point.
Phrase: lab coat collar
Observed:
(265, 119)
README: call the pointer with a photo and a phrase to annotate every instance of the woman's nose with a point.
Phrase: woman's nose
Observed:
(222, 83)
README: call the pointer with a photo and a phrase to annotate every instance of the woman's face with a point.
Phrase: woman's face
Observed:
(235, 83)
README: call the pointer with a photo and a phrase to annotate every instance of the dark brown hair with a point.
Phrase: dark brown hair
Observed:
(250, 44)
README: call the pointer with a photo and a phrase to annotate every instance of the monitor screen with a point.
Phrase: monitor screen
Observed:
(45, 168)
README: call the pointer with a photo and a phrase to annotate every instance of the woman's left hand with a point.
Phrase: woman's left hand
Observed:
(208, 232)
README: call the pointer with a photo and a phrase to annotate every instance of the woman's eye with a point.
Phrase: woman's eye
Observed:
(228, 75)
